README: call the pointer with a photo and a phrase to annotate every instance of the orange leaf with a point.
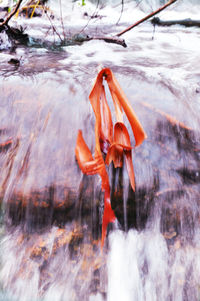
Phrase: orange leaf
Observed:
(95, 95)
(129, 166)
(84, 157)
(115, 154)
(108, 216)
(82, 151)
(104, 137)
(90, 166)
(116, 90)
(122, 144)
(106, 130)
(121, 136)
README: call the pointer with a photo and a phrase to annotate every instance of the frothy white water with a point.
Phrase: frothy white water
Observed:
(142, 267)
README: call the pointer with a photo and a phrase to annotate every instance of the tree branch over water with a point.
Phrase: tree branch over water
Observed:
(116, 39)
(113, 39)
(5, 22)
(146, 17)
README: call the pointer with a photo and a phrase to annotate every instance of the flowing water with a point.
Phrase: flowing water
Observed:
(50, 212)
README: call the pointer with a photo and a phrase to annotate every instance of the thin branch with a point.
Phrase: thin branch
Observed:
(122, 9)
(147, 17)
(61, 17)
(5, 22)
(53, 27)
(138, 4)
(90, 17)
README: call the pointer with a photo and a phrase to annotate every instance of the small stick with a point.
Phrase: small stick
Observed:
(147, 17)
(122, 9)
(53, 27)
(61, 17)
(90, 17)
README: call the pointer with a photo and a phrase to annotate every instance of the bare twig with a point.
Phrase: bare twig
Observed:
(5, 22)
(53, 27)
(147, 17)
(90, 17)
(63, 28)
(122, 9)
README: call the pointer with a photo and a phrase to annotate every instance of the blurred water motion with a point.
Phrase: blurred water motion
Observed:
(50, 209)
(51, 213)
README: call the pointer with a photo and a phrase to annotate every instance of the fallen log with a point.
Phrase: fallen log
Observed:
(186, 22)
(113, 40)
(80, 38)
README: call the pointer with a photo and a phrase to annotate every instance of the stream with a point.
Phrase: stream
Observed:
(50, 218)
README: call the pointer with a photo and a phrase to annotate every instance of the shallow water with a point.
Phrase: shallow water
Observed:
(54, 255)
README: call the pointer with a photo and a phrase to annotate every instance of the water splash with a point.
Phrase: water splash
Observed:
(142, 267)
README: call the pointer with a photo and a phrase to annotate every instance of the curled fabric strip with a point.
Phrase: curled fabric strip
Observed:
(115, 147)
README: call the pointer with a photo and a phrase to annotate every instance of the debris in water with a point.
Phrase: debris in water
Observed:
(113, 147)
